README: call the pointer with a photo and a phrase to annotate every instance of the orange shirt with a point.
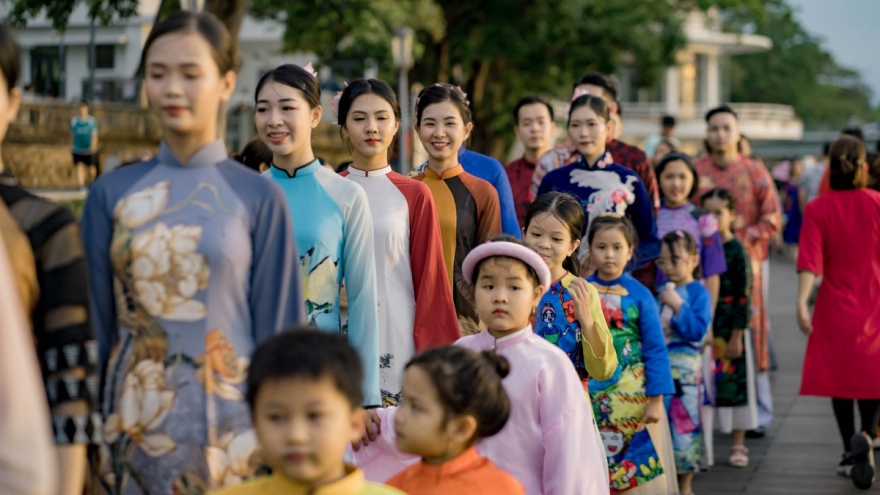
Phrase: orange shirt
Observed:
(469, 473)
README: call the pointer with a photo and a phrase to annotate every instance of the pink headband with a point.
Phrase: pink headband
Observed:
(510, 250)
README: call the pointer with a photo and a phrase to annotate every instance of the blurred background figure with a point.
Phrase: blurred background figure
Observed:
(27, 457)
(667, 134)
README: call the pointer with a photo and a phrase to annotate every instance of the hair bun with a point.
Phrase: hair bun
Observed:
(499, 363)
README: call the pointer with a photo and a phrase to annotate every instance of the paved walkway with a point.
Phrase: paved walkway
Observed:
(800, 452)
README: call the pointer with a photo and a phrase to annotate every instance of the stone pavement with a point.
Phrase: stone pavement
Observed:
(800, 452)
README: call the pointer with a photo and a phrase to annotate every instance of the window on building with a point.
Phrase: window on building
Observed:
(104, 56)
(46, 70)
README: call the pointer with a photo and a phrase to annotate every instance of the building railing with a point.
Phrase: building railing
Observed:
(49, 121)
(745, 111)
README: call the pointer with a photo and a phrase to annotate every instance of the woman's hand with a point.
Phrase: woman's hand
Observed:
(579, 290)
(804, 319)
(371, 429)
(653, 413)
(735, 345)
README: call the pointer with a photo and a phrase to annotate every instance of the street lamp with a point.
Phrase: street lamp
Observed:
(401, 52)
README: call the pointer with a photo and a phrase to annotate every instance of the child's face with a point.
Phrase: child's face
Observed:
(678, 266)
(610, 252)
(718, 208)
(505, 294)
(442, 130)
(550, 238)
(676, 182)
(183, 83)
(419, 424)
(304, 426)
(9, 101)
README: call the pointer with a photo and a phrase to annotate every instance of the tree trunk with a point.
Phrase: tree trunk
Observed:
(443, 68)
(484, 102)
(231, 14)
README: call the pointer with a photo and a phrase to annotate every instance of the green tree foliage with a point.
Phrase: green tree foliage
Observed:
(231, 13)
(497, 50)
(58, 11)
(796, 71)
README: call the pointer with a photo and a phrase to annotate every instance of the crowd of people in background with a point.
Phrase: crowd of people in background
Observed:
(579, 321)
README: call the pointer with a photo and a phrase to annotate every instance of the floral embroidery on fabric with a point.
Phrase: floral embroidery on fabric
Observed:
(141, 207)
(143, 405)
(221, 368)
(167, 271)
(320, 283)
(708, 225)
(233, 458)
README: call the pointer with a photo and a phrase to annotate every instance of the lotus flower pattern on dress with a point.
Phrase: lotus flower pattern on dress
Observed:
(232, 459)
(320, 284)
(141, 207)
(168, 271)
(222, 368)
(143, 405)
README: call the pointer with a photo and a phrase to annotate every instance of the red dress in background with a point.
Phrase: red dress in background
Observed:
(840, 240)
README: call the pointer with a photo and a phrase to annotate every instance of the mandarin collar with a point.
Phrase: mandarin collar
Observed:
(603, 161)
(447, 174)
(209, 154)
(369, 173)
(607, 283)
(510, 340)
(303, 171)
(353, 482)
(467, 460)
(567, 273)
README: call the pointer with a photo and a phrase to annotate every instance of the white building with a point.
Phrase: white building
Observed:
(118, 53)
(699, 82)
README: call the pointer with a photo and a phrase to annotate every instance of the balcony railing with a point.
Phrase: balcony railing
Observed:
(745, 111)
(49, 121)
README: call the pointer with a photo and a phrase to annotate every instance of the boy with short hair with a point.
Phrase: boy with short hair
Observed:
(304, 388)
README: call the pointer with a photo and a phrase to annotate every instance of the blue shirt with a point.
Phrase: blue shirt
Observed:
(334, 237)
(689, 326)
(82, 130)
(492, 171)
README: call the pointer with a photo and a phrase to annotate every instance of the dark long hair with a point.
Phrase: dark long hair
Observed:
(438, 93)
(296, 77)
(223, 48)
(846, 164)
(10, 64)
(722, 194)
(596, 103)
(567, 210)
(469, 383)
(611, 221)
